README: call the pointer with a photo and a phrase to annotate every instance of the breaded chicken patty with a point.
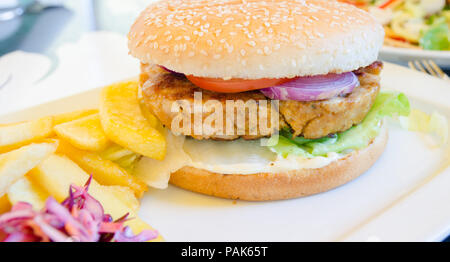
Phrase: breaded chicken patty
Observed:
(316, 119)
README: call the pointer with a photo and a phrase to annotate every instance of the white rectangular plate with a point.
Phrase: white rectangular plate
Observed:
(404, 197)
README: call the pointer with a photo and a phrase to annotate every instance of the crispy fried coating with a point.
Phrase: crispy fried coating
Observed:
(316, 119)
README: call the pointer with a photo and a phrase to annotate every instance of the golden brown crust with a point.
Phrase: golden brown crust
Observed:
(266, 187)
(312, 120)
(162, 89)
(317, 119)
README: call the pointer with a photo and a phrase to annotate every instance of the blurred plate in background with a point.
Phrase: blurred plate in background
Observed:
(395, 54)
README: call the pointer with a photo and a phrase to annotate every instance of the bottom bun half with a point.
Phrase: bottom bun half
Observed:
(278, 186)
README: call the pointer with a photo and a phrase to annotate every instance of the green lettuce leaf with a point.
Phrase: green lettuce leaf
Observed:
(387, 104)
(435, 124)
(437, 37)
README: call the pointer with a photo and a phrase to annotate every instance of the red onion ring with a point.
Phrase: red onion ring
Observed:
(171, 71)
(314, 88)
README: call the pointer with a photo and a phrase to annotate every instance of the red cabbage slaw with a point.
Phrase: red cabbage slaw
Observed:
(79, 218)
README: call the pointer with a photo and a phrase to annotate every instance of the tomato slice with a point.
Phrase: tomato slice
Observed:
(235, 85)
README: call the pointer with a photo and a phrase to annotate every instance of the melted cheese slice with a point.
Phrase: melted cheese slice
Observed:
(224, 157)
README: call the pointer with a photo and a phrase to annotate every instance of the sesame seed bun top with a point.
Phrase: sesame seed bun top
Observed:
(254, 39)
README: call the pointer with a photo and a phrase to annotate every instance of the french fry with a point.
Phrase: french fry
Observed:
(85, 133)
(16, 164)
(124, 123)
(137, 225)
(71, 116)
(124, 194)
(151, 118)
(25, 190)
(5, 205)
(116, 152)
(104, 171)
(16, 135)
(128, 162)
(57, 173)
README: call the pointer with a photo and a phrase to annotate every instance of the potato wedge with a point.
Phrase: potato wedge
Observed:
(16, 135)
(137, 225)
(104, 171)
(151, 118)
(126, 195)
(16, 164)
(129, 162)
(125, 124)
(71, 116)
(5, 205)
(25, 190)
(85, 133)
(57, 173)
(116, 152)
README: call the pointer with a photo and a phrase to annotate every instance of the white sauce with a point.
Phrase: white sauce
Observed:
(224, 157)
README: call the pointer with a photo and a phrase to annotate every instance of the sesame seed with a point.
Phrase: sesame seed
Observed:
(152, 37)
(266, 30)
(252, 43)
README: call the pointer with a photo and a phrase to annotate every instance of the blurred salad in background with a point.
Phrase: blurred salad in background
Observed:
(423, 24)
